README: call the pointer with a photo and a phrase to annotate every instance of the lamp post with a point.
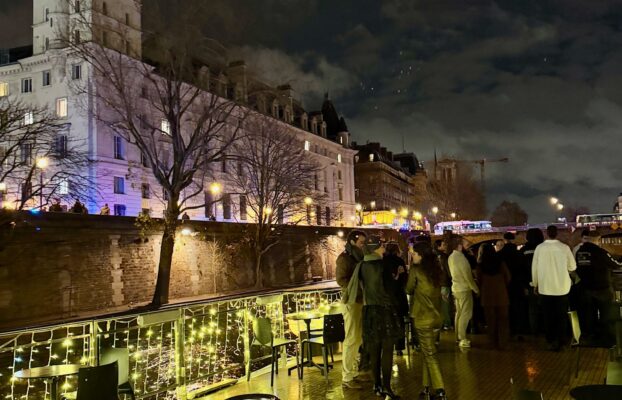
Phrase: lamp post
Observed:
(560, 207)
(42, 164)
(453, 215)
(359, 209)
(308, 201)
(215, 188)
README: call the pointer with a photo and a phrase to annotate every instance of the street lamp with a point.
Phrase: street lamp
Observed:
(453, 215)
(42, 164)
(417, 215)
(554, 200)
(404, 212)
(359, 209)
(434, 210)
(372, 205)
(560, 206)
(215, 188)
(308, 201)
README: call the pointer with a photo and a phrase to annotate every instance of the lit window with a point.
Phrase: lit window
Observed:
(371, 157)
(165, 127)
(307, 145)
(4, 89)
(27, 85)
(340, 139)
(61, 107)
(63, 187)
(47, 78)
(119, 209)
(338, 157)
(29, 118)
(119, 185)
(119, 150)
(76, 71)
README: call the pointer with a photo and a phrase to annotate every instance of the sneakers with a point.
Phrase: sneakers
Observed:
(465, 343)
(351, 385)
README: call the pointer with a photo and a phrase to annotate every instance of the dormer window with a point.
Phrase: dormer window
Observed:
(304, 122)
(371, 157)
(104, 8)
(323, 129)
(338, 158)
(307, 145)
(275, 109)
(314, 125)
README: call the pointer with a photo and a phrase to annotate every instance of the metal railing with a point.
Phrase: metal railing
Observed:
(172, 352)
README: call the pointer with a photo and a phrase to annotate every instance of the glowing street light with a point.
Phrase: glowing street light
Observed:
(267, 211)
(372, 205)
(393, 211)
(42, 164)
(453, 215)
(215, 188)
(417, 215)
(560, 206)
(358, 207)
(2, 187)
(308, 201)
(554, 200)
(404, 212)
(434, 210)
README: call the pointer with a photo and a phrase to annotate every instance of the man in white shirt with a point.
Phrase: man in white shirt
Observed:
(462, 286)
(552, 263)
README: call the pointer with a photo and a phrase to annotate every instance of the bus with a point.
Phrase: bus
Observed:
(587, 220)
(462, 227)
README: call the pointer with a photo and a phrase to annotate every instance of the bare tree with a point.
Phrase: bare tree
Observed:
(461, 195)
(509, 213)
(39, 161)
(276, 177)
(166, 105)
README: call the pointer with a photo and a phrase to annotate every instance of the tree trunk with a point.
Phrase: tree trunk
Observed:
(161, 294)
(258, 272)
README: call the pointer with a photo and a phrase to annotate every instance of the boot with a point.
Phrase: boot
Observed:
(389, 395)
(440, 395)
(378, 390)
(425, 394)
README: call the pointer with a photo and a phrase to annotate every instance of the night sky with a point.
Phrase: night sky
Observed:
(538, 81)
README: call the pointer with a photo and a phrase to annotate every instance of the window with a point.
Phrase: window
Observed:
(145, 191)
(76, 36)
(26, 190)
(209, 205)
(165, 127)
(26, 153)
(47, 78)
(146, 211)
(61, 146)
(226, 206)
(144, 160)
(29, 118)
(47, 43)
(76, 6)
(318, 214)
(340, 194)
(127, 19)
(104, 8)
(316, 182)
(51, 22)
(165, 195)
(223, 167)
(61, 107)
(76, 71)
(339, 158)
(327, 219)
(105, 38)
(47, 14)
(127, 47)
(339, 174)
(307, 145)
(4, 89)
(243, 214)
(27, 85)
(119, 148)
(63, 187)
(119, 185)
(371, 157)
(280, 214)
(119, 209)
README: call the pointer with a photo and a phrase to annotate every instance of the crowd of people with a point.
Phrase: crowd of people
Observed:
(506, 290)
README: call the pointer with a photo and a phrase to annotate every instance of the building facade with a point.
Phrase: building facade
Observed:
(48, 78)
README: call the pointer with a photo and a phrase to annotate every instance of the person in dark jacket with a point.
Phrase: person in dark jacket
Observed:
(383, 325)
(519, 286)
(494, 277)
(534, 237)
(596, 314)
(394, 262)
(447, 300)
(352, 312)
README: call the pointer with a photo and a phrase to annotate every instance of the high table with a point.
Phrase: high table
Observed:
(305, 316)
(51, 373)
(596, 392)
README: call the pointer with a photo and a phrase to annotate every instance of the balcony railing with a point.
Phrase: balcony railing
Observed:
(173, 352)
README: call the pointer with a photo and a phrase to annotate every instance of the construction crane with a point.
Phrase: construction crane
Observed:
(482, 164)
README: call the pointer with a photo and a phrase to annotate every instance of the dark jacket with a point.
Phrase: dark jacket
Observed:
(443, 260)
(527, 256)
(346, 263)
(521, 276)
(494, 287)
(393, 262)
(593, 266)
(377, 281)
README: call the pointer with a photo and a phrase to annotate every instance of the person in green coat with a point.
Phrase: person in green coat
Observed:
(424, 285)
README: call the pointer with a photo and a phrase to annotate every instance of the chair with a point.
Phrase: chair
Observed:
(263, 336)
(98, 383)
(333, 332)
(122, 357)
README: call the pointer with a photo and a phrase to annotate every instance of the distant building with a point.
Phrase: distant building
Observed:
(42, 75)
(388, 185)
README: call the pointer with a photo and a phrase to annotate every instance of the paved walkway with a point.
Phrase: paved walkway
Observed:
(475, 373)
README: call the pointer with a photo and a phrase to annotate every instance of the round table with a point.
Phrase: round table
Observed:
(305, 316)
(50, 373)
(596, 392)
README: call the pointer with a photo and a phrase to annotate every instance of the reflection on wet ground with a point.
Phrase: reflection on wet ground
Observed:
(475, 373)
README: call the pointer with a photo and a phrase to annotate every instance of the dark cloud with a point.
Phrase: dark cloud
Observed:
(15, 22)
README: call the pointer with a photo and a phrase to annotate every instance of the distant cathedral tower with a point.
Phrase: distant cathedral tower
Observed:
(336, 128)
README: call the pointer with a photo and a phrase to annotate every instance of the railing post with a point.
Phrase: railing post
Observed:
(247, 346)
(180, 363)
(93, 344)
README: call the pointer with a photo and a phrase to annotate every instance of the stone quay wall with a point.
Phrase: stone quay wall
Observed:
(55, 266)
